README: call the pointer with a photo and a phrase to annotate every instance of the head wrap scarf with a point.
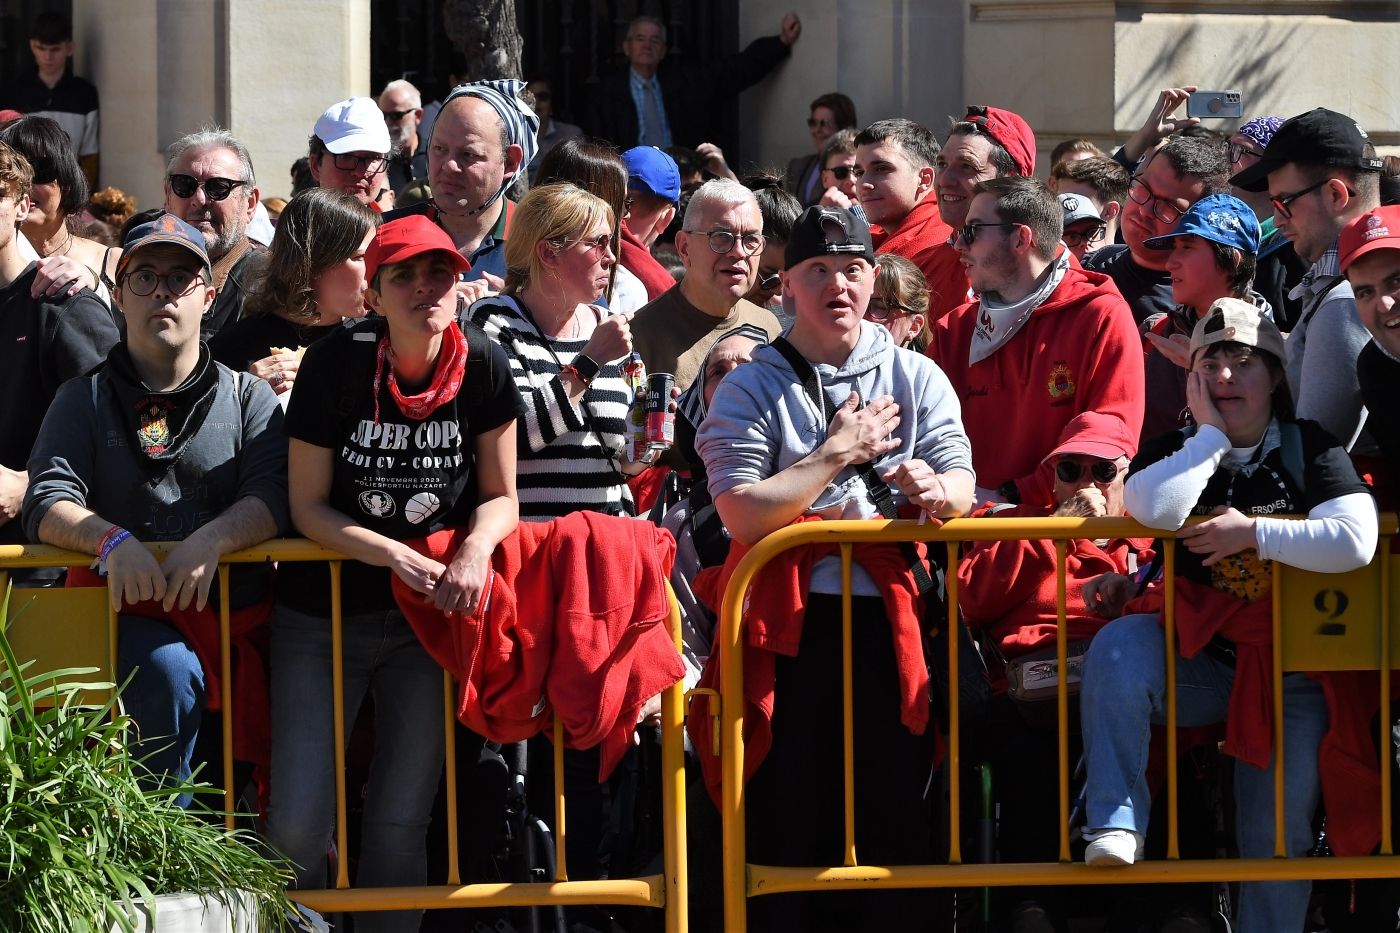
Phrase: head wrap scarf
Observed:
(691, 403)
(503, 94)
(1260, 130)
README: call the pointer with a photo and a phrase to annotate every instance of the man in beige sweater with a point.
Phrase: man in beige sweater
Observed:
(719, 245)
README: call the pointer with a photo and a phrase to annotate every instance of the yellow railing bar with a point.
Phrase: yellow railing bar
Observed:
(561, 857)
(673, 840)
(1169, 646)
(954, 769)
(1062, 693)
(226, 692)
(342, 844)
(626, 892)
(848, 725)
(449, 747)
(1386, 744)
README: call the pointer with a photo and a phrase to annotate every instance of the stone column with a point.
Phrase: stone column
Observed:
(264, 69)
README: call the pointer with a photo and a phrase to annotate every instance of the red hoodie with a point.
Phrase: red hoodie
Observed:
(637, 259)
(1007, 588)
(572, 624)
(922, 238)
(1079, 351)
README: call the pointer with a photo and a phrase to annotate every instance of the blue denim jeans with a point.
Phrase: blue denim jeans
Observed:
(165, 695)
(383, 656)
(1124, 691)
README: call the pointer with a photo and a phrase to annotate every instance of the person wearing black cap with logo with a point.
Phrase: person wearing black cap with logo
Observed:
(834, 421)
(1321, 172)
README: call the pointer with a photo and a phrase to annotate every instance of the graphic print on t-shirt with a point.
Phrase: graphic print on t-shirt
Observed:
(403, 471)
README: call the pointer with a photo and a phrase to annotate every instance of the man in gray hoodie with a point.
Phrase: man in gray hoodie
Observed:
(790, 436)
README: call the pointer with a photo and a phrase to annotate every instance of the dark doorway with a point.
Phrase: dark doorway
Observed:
(15, 19)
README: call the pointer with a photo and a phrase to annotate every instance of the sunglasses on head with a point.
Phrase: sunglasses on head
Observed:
(215, 189)
(1103, 471)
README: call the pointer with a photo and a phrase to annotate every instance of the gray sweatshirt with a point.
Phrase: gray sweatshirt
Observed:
(761, 422)
(1322, 351)
(85, 457)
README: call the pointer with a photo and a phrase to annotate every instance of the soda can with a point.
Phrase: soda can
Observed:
(661, 420)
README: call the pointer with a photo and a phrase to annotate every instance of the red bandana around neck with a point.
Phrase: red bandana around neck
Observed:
(447, 378)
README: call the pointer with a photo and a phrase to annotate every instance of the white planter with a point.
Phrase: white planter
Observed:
(187, 913)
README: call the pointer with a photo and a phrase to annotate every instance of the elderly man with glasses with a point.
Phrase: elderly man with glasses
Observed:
(720, 243)
(402, 107)
(349, 152)
(1321, 173)
(209, 184)
(1045, 340)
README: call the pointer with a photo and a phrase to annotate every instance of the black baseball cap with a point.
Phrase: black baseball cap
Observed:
(1320, 137)
(828, 231)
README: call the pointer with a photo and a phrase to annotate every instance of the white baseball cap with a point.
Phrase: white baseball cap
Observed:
(354, 125)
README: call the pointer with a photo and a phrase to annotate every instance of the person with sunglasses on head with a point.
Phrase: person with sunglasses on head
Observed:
(209, 184)
(349, 152)
(721, 244)
(1321, 172)
(165, 444)
(1173, 176)
(1007, 591)
(402, 107)
(1045, 340)
(806, 177)
(1278, 267)
(1247, 462)
(45, 340)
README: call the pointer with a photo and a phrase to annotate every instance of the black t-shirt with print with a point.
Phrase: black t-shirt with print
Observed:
(397, 476)
(1268, 490)
(1147, 291)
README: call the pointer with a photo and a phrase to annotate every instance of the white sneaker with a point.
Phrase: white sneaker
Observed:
(1112, 848)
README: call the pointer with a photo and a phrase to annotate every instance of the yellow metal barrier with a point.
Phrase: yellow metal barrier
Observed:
(1333, 621)
(667, 891)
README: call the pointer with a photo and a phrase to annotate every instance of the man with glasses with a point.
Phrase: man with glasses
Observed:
(164, 444)
(720, 242)
(1180, 173)
(1321, 172)
(1044, 342)
(349, 152)
(402, 107)
(828, 117)
(209, 184)
(1084, 227)
(45, 341)
(656, 102)
(1103, 182)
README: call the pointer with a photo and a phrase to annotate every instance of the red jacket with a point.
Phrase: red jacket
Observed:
(922, 238)
(637, 259)
(1351, 782)
(773, 612)
(1008, 588)
(252, 720)
(1079, 351)
(572, 623)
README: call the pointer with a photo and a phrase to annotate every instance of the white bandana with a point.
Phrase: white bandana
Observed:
(997, 323)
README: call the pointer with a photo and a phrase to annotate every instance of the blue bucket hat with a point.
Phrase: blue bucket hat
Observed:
(1220, 218)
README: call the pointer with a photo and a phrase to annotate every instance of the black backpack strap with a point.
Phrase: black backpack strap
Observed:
(877, 488)
(359, 368)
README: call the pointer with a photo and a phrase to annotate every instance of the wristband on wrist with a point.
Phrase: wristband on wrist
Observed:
(111, 540)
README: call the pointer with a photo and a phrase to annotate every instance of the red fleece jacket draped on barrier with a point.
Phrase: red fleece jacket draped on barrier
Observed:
(773, 615)
(252, 716)
(573, 623)
(1351, 781)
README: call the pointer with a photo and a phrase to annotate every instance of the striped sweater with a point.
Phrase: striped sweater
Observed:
(567, 451)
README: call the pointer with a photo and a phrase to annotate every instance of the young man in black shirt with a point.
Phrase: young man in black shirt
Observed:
(50, 91)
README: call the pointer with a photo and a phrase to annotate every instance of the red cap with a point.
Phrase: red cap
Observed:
(7, 115)
(1013, 133)
(1375, 229)
(402, 239)
(1096, 434)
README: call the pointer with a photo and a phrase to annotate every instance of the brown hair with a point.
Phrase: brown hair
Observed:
(320, 228)
(901, 283)
(15, 174)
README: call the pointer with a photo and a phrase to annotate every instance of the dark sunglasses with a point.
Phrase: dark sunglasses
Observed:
(215, 189)
(394, 116)
(842, 172)
(1103, 471)
(967, 233)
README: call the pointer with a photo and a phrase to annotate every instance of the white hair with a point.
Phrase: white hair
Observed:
(401, 85)
(211, 136)
(717, 191)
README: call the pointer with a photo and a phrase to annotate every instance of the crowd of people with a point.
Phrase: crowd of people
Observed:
(437, 357)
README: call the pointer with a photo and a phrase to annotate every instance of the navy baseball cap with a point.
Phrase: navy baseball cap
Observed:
(1319, 137)
(828, 231)
(652, 171)
(167, 228)
(1220, 218)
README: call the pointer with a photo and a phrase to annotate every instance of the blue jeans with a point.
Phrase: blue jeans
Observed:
(165, 695)
(1124, 691)
(382, 655)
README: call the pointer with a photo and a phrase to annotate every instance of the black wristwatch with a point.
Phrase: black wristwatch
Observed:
(586, 368)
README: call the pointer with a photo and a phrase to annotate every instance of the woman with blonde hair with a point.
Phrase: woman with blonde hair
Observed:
(566, 353)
